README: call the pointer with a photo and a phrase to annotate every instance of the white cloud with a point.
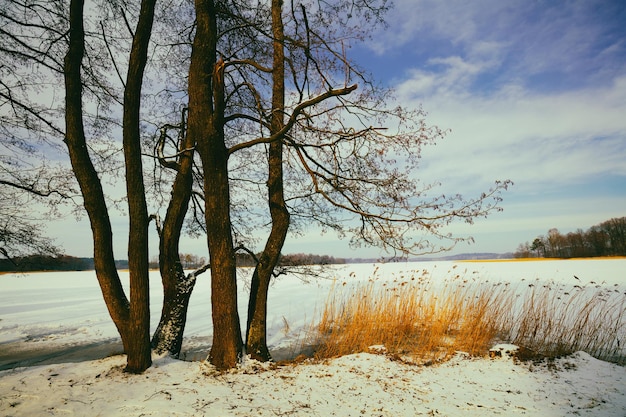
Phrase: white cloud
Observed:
(443, 77)
(517, 134)
(575, 39)
(558, 147)
(455, 20)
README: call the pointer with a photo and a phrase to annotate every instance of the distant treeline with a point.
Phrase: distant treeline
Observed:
(70, 263)
(605, 239)
(50, 263)
(296, 259)
(245, 259)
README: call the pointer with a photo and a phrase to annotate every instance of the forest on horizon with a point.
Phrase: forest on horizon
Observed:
(605, 239)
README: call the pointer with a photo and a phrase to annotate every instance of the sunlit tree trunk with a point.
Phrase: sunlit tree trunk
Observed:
(256, 334)
(206, 125)
(177, 286)
(132, 318)
(138, 348)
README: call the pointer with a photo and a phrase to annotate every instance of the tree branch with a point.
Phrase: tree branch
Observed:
(30, 110)
(294, 116)
(106, 43)
(31, 189)
(6, 254)
(250, 62)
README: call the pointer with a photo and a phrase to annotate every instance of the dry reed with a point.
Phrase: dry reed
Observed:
(421, 321)
(556, 320)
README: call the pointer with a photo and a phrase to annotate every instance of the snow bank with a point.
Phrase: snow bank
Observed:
(355, 385)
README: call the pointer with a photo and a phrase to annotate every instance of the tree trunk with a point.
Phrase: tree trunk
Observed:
(132, 319)
(227, 343)
(256, 330)
(206, 124)
(138, 349)
(177, 287)
(256, 334)
(87, 177)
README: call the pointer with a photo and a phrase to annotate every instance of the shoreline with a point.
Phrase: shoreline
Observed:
(595, 258)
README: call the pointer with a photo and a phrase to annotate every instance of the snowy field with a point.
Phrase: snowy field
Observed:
(56, 342)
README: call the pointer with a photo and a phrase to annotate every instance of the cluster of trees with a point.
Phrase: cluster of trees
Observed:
(605, 239)
(226, 119)
(188, 261)
(295, 259)
(45, 263)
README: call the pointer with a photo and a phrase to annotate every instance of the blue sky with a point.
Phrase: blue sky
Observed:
(533, 91)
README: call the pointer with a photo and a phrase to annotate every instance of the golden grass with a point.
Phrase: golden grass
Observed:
(422, 321)
(556, 320)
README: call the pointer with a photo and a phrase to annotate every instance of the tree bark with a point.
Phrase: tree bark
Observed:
(87, 177)
(131, 318)
(177, 287)
(206, 124)
(138, 349)
(256, 329)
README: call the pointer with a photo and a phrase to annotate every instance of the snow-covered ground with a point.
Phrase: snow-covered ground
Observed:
(51, 323)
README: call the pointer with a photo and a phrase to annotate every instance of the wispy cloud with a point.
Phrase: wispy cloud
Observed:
(522, 135)
(583, 41)
(532, 91)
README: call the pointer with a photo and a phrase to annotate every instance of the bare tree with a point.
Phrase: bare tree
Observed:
(604, 239)
(36, 42)
(177, 285)
(30, 37)
(214, 78)
(206, 127)
(256, 344)
(276, 112)
(523, 251)
(342, 157)
(21, 228)
(340, 164)
(131, 316)
(597, 241)
(616, 230)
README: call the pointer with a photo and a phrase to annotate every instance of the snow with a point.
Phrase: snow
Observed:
(355, 385)
(50, 321)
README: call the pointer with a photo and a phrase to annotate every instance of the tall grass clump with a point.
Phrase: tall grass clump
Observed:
(423, 321)
(412, 318)
(556, 320)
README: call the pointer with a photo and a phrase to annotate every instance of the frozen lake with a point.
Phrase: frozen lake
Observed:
(63, 314)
